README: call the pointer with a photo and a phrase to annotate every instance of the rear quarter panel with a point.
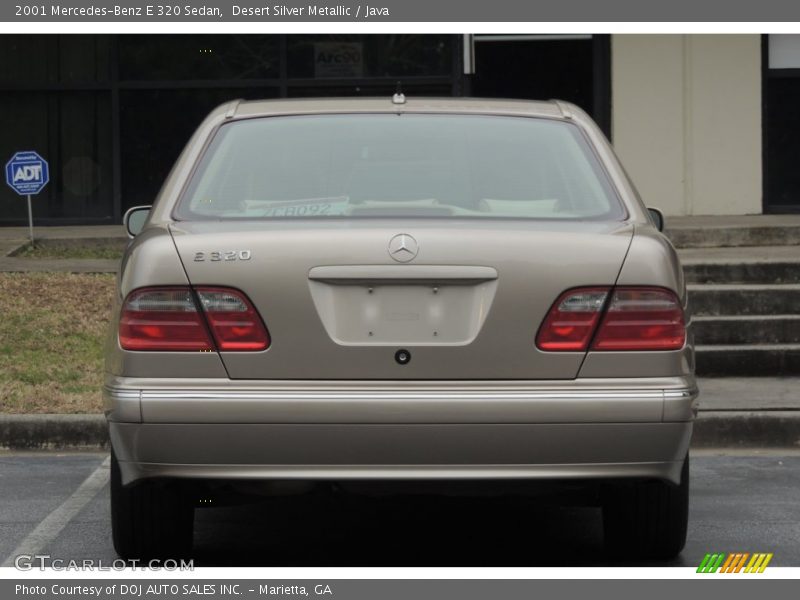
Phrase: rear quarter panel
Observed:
(651, 260)
(151, 260)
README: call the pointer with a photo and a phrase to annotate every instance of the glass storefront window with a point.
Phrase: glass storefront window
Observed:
(73, 132)
(198, 57)
(386, 90)
(61, 93)
(357, 56)
(155, 126)
(54, 59)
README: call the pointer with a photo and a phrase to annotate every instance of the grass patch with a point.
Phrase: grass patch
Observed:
(52, 335)
(94, 248)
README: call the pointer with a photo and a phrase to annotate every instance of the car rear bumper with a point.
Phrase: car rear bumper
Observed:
(583, 429)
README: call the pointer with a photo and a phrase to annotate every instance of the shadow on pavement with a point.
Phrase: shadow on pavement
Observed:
(342, 529)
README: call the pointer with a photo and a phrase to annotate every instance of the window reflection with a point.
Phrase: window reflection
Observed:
(48, 59)
(198, 57)
(395, 55)
(156, 124)
(73, 132)
(67, 96)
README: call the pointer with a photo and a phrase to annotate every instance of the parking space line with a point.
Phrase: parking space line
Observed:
(49, 528)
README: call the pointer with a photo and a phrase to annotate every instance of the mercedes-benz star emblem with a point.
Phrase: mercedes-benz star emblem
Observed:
(403, 247)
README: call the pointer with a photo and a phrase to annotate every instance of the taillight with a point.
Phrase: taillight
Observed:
(233, 321)
(642, 319)
(168, 319)
(572, 320)
(634, 318)
(162, 319)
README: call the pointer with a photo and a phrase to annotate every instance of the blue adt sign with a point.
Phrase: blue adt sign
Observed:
(27, 173)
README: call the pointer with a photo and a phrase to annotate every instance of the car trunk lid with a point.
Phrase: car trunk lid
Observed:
(463, 298)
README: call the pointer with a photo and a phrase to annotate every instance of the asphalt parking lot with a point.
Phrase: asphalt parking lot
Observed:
(741, 501)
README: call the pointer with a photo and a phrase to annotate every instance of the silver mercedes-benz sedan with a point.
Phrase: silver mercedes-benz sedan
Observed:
(363, 290)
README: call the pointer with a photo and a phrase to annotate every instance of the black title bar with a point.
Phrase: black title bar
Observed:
(216, 11)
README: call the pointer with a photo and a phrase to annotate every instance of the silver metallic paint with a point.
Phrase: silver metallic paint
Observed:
(354, 451)
(311, 408)
(212, 401)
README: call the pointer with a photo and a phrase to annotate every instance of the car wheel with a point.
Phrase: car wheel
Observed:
(151, 519)
(647, 519)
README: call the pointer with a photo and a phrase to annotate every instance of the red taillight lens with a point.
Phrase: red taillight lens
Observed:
(642, 318)
(636, 318)
(162, 319)
(233, 321)
(167, 319)
(572, 320)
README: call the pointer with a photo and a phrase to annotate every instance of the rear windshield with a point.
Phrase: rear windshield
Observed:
(390, 165)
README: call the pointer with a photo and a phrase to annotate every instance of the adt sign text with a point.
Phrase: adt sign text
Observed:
(27, 173)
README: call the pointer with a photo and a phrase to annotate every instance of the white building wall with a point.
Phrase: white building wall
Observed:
(686, 120)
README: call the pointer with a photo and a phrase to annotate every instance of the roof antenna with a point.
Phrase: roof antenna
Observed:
(399, 97)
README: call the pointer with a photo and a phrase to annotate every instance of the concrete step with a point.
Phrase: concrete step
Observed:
(734, 236)
(744, 254)
(747, 329)
(745, 360)
(764, 272)
(749, 393)
(734, 231)
(757, 264)
(744, 299)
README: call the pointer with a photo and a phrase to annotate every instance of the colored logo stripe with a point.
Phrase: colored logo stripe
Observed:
(734, 562)
(758, 563)
(711, 563)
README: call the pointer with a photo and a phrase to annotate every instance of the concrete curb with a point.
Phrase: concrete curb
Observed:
(11, 263)
(53, 432)
(713, 429)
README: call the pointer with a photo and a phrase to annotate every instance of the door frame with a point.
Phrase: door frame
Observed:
(768, 74)
(601, 70)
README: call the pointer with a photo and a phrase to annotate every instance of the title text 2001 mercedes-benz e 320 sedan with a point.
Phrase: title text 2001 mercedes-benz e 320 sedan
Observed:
(392, 289)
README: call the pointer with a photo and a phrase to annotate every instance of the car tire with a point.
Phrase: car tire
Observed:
(150, 519)
(647, 519)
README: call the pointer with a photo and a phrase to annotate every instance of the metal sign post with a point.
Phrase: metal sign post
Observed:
(27, 173)
(30, 218)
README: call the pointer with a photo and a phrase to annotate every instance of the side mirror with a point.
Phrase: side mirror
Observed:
(657, 217)
(134, 219)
